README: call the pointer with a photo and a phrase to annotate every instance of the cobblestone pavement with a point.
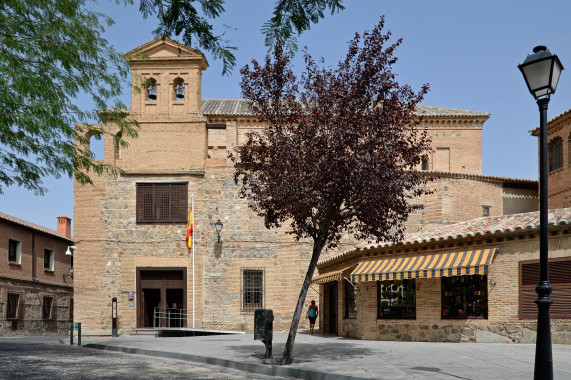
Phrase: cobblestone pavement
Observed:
(46, 358)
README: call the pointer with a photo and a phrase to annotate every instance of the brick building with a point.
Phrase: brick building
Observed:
(130, 231)
(559, 145)
(472, 281)
(36, 285)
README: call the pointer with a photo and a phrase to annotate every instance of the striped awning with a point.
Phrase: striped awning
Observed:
(331, 276)
(425, 265)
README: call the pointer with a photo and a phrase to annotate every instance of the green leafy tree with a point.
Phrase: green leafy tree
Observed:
(181, 17)
(339, 153)
(52, 52)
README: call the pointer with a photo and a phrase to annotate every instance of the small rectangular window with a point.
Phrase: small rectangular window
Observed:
(396, 299)
(47, 307)
(13, 306)
(49, 259)
(162, 202)
(14, 251)
(350, 300)
(252, 289)
(485, 210)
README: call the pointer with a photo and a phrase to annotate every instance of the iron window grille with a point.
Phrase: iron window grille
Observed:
(252, 289)
(14, 251)
(350, 300)
(47, 307)
(49, 259)
(464, 297)
(162, 202)
(13, 306)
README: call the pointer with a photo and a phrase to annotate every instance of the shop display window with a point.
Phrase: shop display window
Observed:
(464, 297)
(396, 299)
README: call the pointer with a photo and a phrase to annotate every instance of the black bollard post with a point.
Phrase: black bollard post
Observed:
(79, 333)
(71, 335)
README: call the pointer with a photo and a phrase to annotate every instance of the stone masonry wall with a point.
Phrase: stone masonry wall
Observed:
(30, 321)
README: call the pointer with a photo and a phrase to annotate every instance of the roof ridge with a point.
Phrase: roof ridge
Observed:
(34, 226)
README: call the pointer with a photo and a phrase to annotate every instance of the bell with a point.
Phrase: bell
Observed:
(153, 92)
(179, 91)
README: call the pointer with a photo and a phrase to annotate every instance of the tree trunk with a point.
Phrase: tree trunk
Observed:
(287, 357)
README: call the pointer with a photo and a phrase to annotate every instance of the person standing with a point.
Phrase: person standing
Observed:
(312, 313)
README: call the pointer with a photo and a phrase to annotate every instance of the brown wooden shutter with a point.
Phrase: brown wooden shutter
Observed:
(162, 202)
(560, 279)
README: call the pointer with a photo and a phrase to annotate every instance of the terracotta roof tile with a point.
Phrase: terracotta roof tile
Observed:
(33, 226)
(237, 107)
(474, 227)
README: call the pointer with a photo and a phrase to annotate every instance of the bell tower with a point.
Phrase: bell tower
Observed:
(166, 101)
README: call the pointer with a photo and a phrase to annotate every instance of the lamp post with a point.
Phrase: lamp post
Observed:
(541, 72)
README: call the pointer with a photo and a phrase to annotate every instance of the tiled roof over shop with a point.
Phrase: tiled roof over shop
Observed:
(241, 107)
(474, 227)
(32, 226)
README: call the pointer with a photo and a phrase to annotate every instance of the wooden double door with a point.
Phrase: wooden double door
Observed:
(162, 297)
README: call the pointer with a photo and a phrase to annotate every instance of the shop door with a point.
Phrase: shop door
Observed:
(332, 308)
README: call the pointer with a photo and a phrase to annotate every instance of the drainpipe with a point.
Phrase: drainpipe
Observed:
(34, 256)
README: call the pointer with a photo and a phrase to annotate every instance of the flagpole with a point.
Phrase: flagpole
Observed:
(192, 205)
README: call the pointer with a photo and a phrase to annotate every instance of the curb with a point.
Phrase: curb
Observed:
(261, 369)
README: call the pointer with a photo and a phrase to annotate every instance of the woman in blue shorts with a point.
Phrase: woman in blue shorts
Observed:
(312, 313)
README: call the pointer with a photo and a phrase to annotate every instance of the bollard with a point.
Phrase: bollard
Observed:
(71, 334)
(263, 328)
(79, 333)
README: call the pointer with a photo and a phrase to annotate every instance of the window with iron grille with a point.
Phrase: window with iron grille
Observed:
(13, 306)
(14, 251)
(556, 154)
(560, 280)
(350, 300)
(162, 202)
(48, 259)
(47, 307)
(252, 289)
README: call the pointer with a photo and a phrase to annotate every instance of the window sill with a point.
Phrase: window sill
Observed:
(395, 319)
(461, 318)
(48, 270)
(14, 263)
(351, 318)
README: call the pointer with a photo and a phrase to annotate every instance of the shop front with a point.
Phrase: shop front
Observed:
(460, 287)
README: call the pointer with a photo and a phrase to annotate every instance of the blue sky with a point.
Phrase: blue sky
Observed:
(467, 51)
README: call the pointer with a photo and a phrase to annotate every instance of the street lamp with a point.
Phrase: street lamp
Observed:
(541, 72)
(219, 226)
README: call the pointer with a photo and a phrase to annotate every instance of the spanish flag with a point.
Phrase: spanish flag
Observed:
(190, 230)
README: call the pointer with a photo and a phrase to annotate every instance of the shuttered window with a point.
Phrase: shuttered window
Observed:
(560, 280)
(162, 202)
(48, 308)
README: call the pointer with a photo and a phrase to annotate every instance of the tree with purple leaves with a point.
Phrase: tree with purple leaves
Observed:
(340, 151)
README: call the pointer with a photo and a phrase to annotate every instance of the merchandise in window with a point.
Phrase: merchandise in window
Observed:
(396, 299)
(464, 297)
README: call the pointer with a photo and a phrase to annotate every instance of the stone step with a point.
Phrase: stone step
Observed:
(146, 332)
